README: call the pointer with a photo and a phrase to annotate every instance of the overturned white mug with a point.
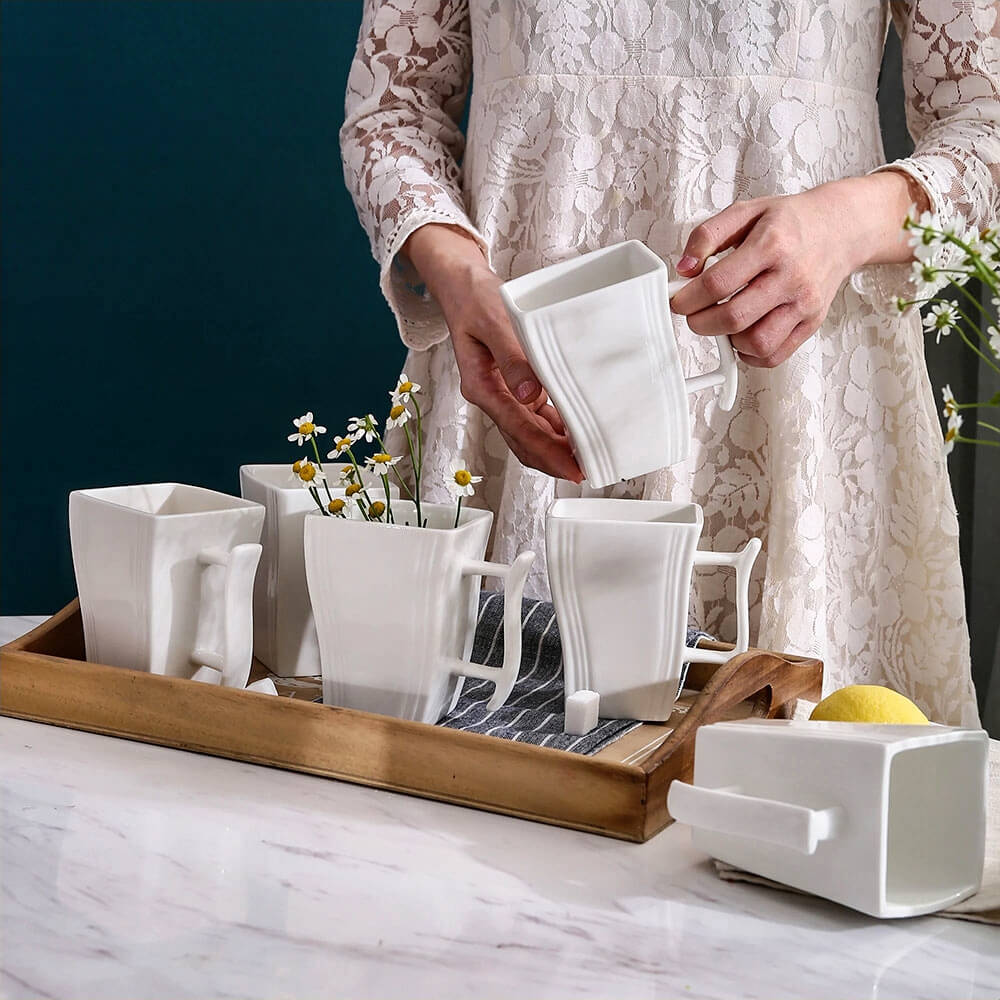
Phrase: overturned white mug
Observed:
(165, 576)
(887, 819)
(620, 574)
(598, 332)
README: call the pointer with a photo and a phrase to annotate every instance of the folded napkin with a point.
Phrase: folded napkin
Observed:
(984, 906)
(534, 711)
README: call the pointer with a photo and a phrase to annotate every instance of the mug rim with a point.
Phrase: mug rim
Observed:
(663, 506)
(470, 515)
(233, 503)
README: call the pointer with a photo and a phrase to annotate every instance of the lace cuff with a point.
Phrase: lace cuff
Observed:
(883, 284)
(419, 318)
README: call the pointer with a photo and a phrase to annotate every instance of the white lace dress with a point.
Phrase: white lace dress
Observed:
(595, 121)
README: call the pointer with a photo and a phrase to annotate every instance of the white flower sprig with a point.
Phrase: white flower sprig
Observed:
(305, 429)
(953, 255)
(459, 483)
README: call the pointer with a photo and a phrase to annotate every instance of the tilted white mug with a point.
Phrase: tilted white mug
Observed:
(887, 819)
(598, 332)
(284, 634)
(620, 574)
(165, 576)
(396, 608)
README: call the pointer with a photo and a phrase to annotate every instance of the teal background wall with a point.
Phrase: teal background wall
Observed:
(182, 268)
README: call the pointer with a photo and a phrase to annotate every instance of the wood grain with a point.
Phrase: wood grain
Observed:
(43, 678)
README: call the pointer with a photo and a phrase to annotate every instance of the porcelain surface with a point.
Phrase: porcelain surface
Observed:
(284, 635)
(620, 573)
(395, 609)
(165, 575)
(598, 332)
(889, 820)
(133, 872)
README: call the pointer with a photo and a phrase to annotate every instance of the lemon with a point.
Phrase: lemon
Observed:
(868, 703)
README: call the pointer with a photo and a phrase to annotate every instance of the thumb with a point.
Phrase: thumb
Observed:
(513, 366)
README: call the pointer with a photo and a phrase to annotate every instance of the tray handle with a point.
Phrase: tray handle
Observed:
(504, 677)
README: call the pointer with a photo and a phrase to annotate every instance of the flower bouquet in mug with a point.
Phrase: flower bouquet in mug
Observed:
(952, 256)
(394, 580)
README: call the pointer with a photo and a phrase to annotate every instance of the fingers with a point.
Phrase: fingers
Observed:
(494, 329)
(772, 340)
(764, 293)
(723, 280)
(718, 233)
(799, 335)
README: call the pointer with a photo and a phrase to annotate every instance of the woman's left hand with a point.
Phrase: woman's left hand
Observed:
(792, 253)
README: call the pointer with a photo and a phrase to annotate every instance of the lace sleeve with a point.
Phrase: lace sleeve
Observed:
(401, 142)
(951, 73)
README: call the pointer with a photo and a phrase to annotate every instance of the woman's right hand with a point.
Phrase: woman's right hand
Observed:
(495, 375)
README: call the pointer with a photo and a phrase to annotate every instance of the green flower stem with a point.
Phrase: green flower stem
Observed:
(388, 501)
(416, 471)
(982, 423)
(976, 326)
(965, 336)
(314, 493)
(399, 478)
(964, 440)
(458, 511)
(319, 464)
(357, 472)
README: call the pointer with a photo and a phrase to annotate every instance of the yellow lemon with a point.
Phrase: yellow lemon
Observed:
(868, 703)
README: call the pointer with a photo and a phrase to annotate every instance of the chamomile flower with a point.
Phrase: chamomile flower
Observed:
(942, 318)
(340, 445)
(310, 474)
(305, 429)
(376, 510)
(347, 474)
(336, 507)
(950, 406)
(404, 387)
(398, 416)
(353, 489)
(954, 426)
(363, 427)
(460, 481)
(926, 276)
(382, 462)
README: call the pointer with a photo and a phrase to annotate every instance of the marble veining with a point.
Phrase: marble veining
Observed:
(131, 871)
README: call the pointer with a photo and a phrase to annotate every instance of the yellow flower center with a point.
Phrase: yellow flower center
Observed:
(463, 477)
(405, 387)
(306, 427)
(397, 411)
(352, 489)
(951, 434)
(308, 472)
(381, 458)
(296, 466)
(377, 509)
(335, 506)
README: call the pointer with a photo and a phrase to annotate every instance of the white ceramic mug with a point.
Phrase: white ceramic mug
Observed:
(620, 574)
(598, 332)
(284, 634)
(396, 608)
(889, 820)
(165, 576)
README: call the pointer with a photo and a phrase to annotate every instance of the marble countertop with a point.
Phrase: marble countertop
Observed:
(132, 871)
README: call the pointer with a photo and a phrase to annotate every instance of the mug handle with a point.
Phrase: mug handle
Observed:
(234, 658)
(514, 576)
(726, 811)
(727, 373)
(743, 562)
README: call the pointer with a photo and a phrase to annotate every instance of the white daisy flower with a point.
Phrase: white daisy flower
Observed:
(950, 406)
(305, 429)
(362, 427)
(347, 474)
(954, 425)
(341, 444)
(942, 318)
(926, 277)
(382, 462)
(460, 481)
(309, 474)
(398, 416)
(401, 394)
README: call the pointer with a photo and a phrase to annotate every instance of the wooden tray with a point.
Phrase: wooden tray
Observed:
(620, 792)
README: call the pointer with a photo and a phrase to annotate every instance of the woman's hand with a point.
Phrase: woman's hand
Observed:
(495, 374)
(792, 255)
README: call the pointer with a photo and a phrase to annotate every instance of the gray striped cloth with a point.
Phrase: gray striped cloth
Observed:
(534, 710)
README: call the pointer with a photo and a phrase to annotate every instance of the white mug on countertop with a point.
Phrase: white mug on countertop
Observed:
(620, 573)
(887, 819)
(165, 576)
(598, 332)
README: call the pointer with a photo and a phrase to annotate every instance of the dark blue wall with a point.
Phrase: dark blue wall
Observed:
(182, 268)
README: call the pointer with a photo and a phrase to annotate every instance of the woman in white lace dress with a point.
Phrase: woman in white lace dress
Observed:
(595, 121)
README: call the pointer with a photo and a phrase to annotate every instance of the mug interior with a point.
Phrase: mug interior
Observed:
(612, 509)
(590, 273)
(165, 499)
